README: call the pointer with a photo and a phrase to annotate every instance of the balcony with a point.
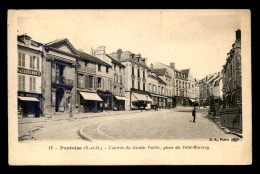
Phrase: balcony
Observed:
(62, 81)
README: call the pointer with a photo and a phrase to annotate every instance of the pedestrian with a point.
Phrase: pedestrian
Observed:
(194, 114)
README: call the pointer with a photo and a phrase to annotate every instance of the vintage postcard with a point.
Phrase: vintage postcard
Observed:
(129, 87)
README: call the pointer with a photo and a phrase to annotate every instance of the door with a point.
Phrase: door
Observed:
(59, 97)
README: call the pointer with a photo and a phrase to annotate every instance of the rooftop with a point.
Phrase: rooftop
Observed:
(91, 58)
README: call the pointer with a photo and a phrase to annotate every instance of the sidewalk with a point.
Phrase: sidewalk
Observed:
(66, 116)
(227, 130)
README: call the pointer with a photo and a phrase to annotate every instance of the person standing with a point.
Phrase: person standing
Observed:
(194, 114)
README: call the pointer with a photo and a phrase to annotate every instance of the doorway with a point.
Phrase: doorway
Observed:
(59, 97)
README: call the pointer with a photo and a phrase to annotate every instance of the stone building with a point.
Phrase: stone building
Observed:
(29, 76)
(94, 88)
(59, 76)
(231, 115)
(117, 76)
(136, 73)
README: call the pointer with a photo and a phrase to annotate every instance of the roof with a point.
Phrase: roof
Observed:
(91, 58)
(186, 71)
(160, 80)
(57, 42)
(160, 72)
(115, 61)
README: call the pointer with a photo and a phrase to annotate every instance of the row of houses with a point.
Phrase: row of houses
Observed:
(55, 76)
(222, 91)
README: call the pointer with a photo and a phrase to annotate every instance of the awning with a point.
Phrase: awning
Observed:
(90, 96)
(192, 100)
(29, 99)
(121, 98)
(140, 97)
(155, 95)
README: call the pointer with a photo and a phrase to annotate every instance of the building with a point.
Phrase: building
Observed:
(117, 76)
(157, 87)
(136, 73)
(94, 88)
(165, 75)
(231, 114)
(29, 72)
(59, 76)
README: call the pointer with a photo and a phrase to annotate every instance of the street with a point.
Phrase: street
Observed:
(163, 124)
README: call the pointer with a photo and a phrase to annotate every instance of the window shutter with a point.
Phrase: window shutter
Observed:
(30, 83)
(31, 65)
(19, 59)
(34, 83)
(96, 82)
(23, 82)
(19, 82)
(86, 81)
(102, 83)
(38, 63)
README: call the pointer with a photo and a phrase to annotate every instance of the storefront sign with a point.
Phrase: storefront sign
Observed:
(25, 94)
(28, 71)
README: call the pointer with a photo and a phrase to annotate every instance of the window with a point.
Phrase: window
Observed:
(138, 72)
(143, 74)
(21, 82)
(115, 91)
(143, 86)
(121, 92)
(90, 82)
(121, 80)
(32, 62)
(133, 84)
(21, 59)
(107, 69)
(81, 80)
(177, 83)
(32, 83)
(99, 67)
(99, 82)
(139, 85)
(133, 71)
(120, 70)
(114, 66)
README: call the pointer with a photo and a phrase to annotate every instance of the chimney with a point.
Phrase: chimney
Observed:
(119, 52)
(172, 65)
(138, 55)
(151, 66)
(238, 34)
(100, 50)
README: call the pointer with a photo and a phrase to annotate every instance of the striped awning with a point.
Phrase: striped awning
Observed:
(121, 98)
(140, 97)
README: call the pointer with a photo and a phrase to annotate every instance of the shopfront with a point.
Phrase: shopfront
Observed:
(107, 99)
(119, 103)
(141, 101)
(90, 102)
(29, 105)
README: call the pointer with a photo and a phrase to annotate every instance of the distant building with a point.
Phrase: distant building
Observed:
(29, 76)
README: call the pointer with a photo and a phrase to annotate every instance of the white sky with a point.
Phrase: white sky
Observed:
(199, 42)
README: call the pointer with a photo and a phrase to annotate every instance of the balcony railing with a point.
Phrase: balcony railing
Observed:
(62, 81)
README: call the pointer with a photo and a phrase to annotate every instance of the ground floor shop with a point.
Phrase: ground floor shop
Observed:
(89, 102)
(181, 101)
(29, 105)
(119, 103)
(140, 100)
(159, 101)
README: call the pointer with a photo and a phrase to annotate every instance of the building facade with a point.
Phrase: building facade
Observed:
(117, 76)
(94, 88)
(59, 76)
(231, 115)
(136, 73)
(29, 72)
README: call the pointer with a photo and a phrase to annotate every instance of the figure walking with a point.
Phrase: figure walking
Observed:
(194, 114)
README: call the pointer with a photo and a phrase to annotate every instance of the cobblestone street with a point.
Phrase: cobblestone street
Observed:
(135, 125)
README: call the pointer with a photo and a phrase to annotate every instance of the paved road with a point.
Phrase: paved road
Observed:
(165, 124)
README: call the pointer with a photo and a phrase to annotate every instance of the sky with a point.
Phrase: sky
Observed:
(196, 41)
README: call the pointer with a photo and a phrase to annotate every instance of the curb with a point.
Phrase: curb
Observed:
(85, 137)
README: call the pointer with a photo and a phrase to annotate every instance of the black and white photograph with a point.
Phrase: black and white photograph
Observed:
(113, 83)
